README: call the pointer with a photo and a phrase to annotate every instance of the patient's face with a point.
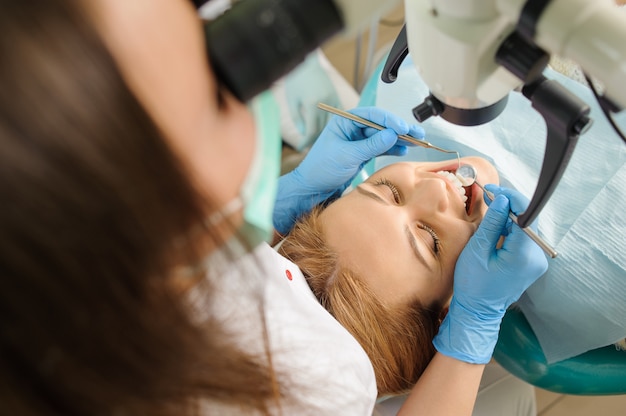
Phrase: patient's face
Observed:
(403, 229)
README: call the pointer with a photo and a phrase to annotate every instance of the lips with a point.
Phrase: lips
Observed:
(469, 191)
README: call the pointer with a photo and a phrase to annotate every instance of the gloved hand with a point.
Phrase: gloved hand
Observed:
(335, 158)
(488, 280)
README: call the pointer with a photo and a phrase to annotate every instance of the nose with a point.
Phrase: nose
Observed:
(429, 194)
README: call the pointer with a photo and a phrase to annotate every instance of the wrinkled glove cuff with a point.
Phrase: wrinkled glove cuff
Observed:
(468, 336)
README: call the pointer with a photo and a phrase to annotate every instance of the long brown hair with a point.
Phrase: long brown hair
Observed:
(397, 339)
(91, 201)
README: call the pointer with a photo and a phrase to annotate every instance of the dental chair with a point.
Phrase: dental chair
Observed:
(595, 373)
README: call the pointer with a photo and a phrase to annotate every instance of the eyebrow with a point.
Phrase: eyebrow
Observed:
(371, 195)
(407, 230)
(414, 246)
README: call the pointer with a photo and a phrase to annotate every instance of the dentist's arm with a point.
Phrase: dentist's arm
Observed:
(447, 387)
(340, 152)
(487, 280)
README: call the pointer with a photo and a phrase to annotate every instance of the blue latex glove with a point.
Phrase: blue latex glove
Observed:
(488, 280)
(340, 152)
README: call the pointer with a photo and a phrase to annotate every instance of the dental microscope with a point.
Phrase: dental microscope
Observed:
(471, 53)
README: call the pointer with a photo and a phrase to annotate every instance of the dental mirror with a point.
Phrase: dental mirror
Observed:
(467, 175)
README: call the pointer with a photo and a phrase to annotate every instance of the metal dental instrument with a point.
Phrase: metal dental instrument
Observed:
(468, 175)
(413, 140)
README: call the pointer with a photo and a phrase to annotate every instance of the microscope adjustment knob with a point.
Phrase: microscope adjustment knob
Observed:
(431, 106)
(525, 60)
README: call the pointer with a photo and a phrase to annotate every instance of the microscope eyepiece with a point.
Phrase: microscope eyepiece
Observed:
(255, 43)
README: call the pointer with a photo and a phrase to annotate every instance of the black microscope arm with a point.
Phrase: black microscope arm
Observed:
(566, 117)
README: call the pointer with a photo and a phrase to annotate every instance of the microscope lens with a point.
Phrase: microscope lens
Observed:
(255, 43)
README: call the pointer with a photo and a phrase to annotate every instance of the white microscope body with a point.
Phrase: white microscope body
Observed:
(454, 43)
(473, 53)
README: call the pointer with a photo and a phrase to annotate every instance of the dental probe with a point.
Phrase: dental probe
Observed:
(533, 235)
(468, 173)
(413, 140)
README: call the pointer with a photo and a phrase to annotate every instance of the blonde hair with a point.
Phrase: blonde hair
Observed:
(396, 338)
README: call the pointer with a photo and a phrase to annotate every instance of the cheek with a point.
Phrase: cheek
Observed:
(226, 161)
(458, 241)
(164, 64)
(448, 284)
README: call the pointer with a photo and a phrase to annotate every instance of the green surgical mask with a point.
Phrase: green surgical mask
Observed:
(258, 192)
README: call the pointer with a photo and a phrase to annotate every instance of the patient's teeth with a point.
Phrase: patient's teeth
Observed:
(456, 181)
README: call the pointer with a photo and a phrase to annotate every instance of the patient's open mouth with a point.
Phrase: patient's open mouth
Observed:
(464, 191)
(469, 194)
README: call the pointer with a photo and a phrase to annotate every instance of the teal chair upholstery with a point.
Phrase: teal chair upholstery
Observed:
(595, 373)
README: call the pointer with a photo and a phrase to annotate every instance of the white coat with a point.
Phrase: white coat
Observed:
(325, 368)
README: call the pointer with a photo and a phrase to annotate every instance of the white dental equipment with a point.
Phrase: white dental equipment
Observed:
(467, 175)
(461, 48)
(473, 53)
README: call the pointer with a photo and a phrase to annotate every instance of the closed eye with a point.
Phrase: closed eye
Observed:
(397, 196)
(436, 242)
